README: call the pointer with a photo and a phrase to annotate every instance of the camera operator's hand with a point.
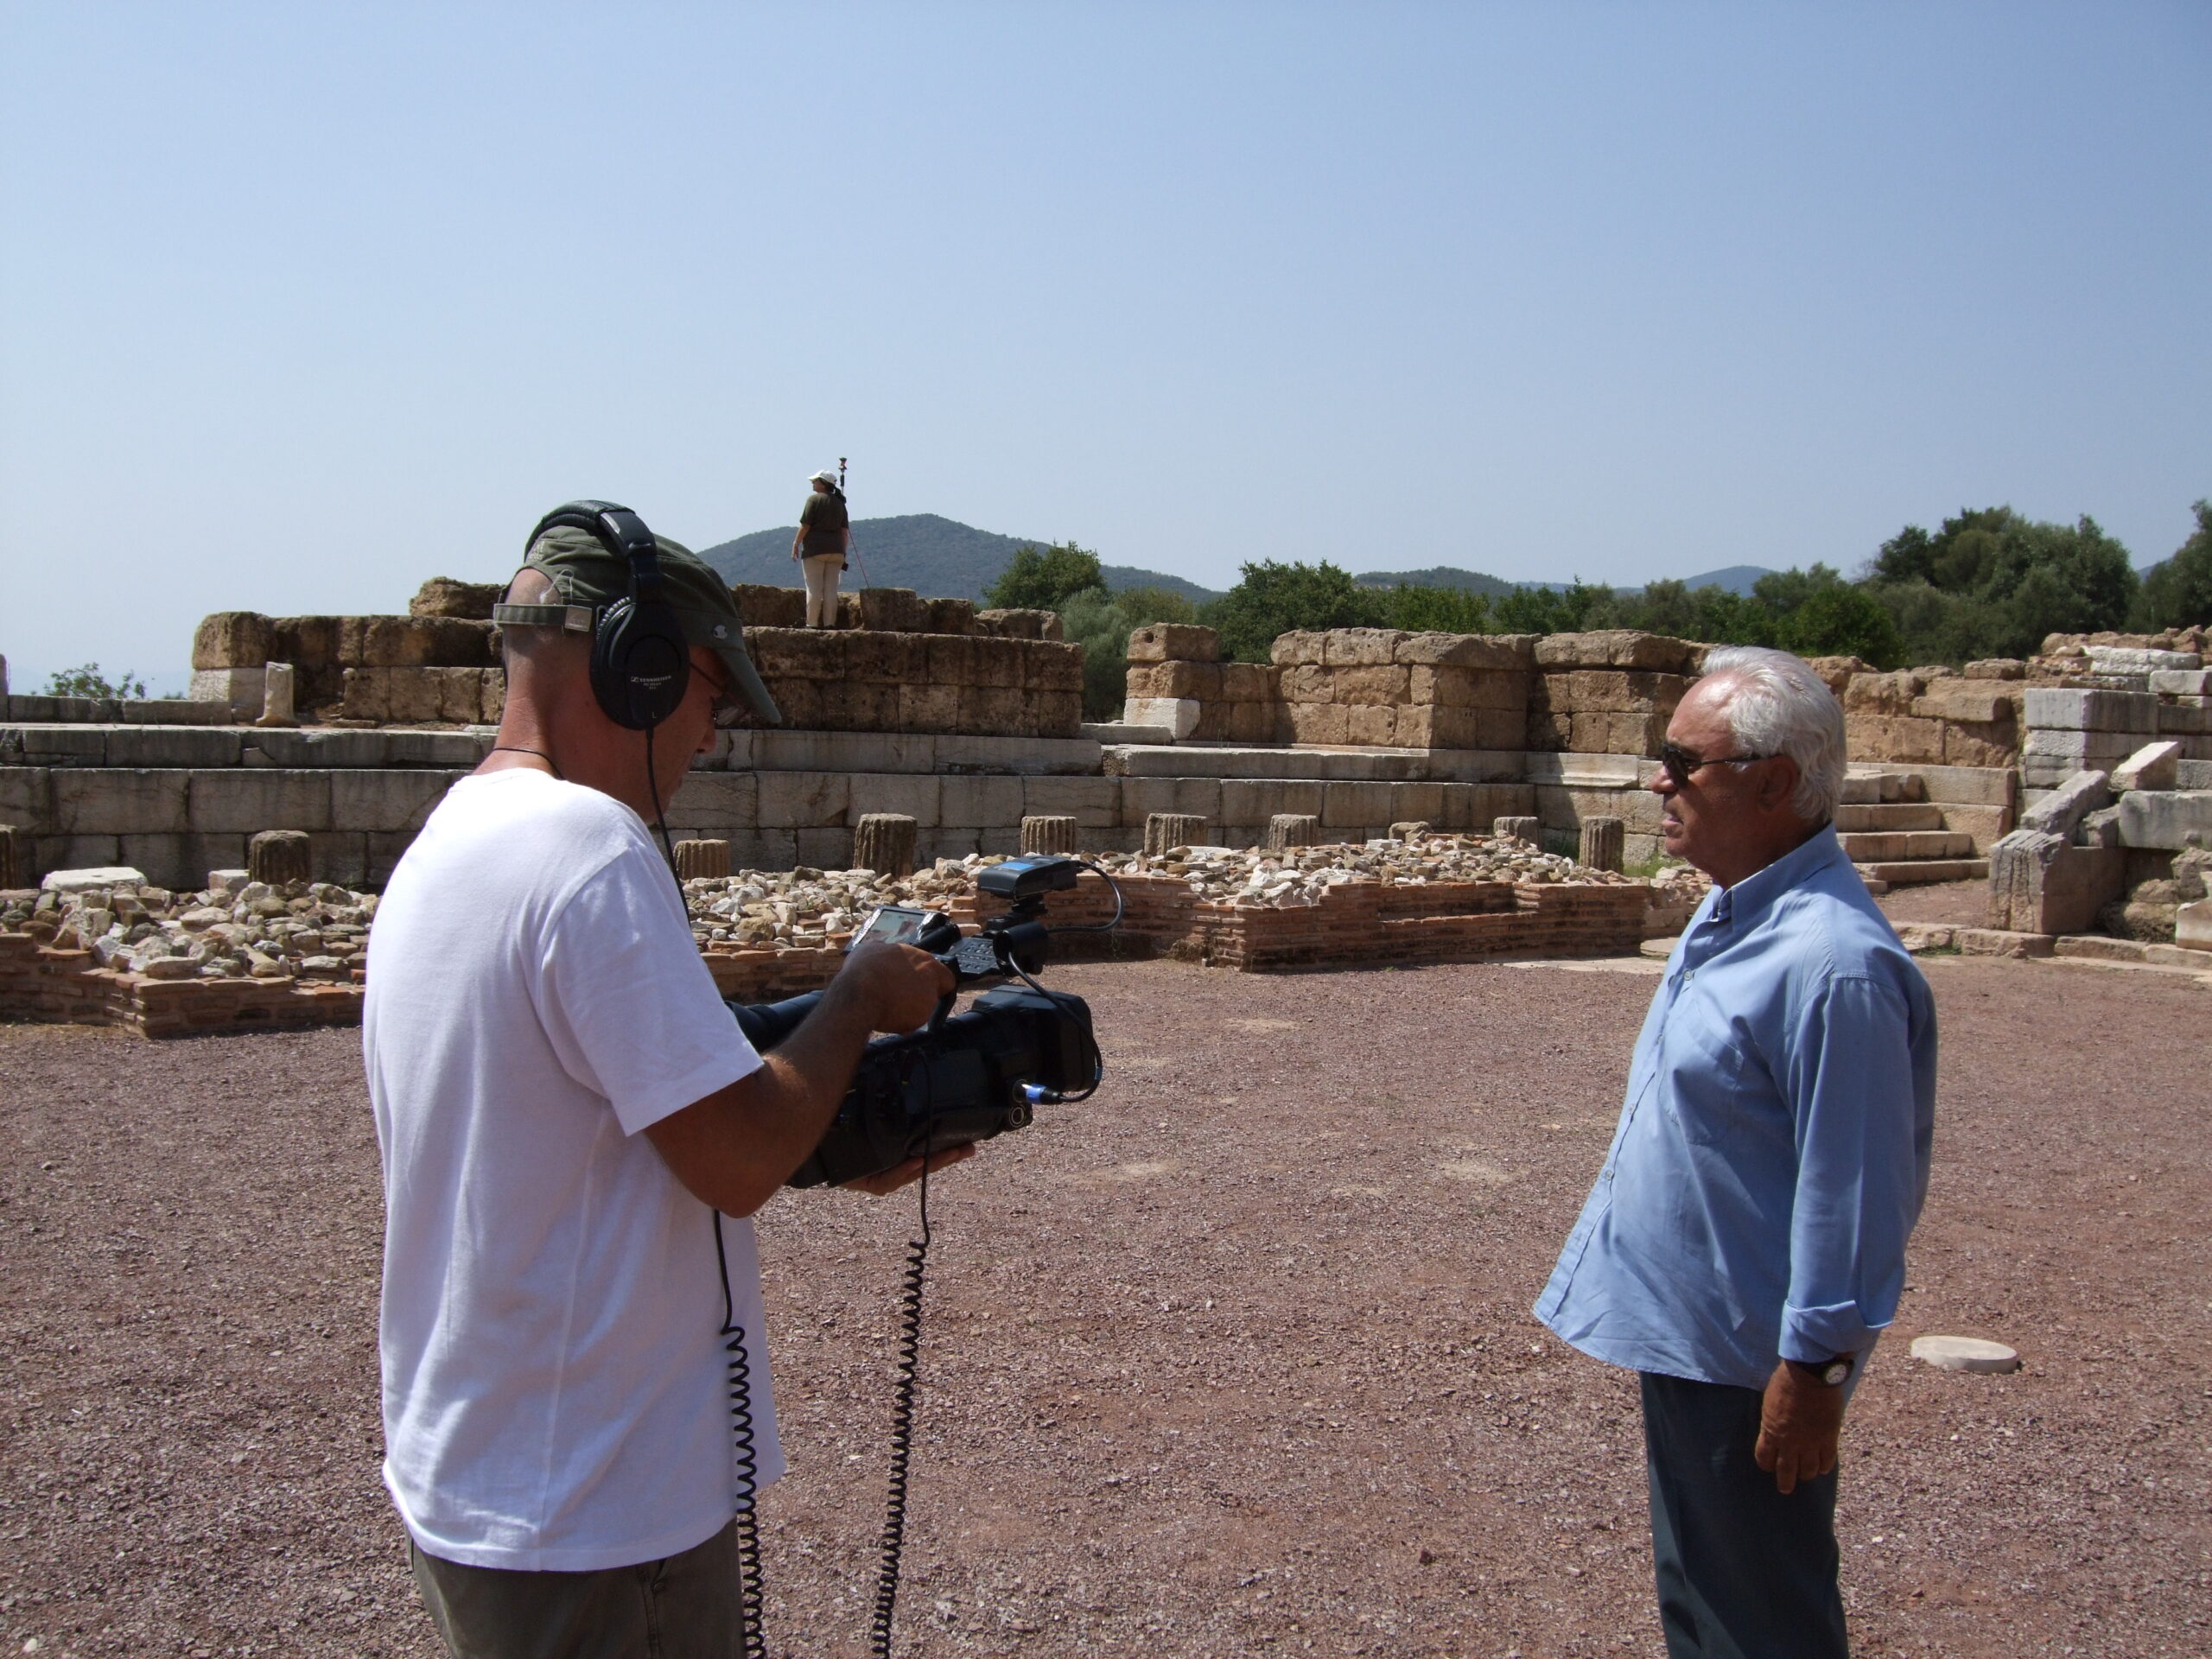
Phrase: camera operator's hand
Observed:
(736, 1147)
(890, 1180)
(900, 986)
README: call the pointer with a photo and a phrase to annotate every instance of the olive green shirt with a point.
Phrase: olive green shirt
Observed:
(822, 524)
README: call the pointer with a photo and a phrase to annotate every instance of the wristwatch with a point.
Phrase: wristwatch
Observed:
(1833, 1372)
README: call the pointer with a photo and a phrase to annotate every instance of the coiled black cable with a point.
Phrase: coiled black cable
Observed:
(902, 1428)
(745, 1460)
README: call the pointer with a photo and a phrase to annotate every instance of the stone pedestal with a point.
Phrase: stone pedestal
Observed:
(1288, 830)
(884, 843)
(276, 693)
(1048, 834)
(1165, 829)
(2040, 884)
(701, 860)
(280, 856)
(1605, 842)
(1529, 829)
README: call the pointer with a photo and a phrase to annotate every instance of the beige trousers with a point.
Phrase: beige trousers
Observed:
(822, 575)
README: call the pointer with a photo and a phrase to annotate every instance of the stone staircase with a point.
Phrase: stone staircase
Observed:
(1898, 838)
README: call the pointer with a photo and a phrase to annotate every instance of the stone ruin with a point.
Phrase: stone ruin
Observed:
(926, 732)
(896, 664)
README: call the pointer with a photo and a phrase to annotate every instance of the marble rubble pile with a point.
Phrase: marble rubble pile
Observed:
(1300, 875)
(233, 928)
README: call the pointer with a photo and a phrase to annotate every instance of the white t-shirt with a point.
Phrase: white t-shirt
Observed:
(555, 1392)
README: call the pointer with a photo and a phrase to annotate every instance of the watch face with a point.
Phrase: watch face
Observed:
(1834, 1375)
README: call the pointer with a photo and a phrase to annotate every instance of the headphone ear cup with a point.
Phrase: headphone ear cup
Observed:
(640, 664)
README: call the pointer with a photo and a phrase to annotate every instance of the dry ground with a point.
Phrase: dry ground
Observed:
(1235, 1360)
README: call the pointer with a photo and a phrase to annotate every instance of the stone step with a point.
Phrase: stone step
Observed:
(1869, 788)
(1889, 847)
(1920, 871)
(1901, 815)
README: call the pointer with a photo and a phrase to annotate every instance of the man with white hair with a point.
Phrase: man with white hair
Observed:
(1744, 1246)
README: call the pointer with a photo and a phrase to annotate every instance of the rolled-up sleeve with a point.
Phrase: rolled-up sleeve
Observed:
(1855, 1094)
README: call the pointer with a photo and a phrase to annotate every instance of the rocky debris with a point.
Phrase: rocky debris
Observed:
(807, 909)
(316, 930)
(235, 928)
(1300, 875)
(1681, 884)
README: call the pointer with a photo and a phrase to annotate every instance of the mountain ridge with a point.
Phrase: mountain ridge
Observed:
(937, 557)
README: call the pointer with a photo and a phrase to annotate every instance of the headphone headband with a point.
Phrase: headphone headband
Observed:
(640, 661)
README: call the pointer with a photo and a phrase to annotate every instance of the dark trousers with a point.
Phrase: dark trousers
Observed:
(1743, 1573)
(685, 1607)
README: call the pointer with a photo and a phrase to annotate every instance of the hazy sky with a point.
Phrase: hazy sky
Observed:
(301, 305)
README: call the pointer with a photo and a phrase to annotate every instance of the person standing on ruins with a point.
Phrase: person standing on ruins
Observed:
(1744, 1246)
(824, 534)
(565, 1111)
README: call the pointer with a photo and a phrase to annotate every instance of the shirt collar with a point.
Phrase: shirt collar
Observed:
(1756, 893)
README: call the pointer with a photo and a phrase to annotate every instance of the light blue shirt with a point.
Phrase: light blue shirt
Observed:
(1773, 1153)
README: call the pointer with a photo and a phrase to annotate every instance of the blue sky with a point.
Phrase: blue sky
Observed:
(300, 305)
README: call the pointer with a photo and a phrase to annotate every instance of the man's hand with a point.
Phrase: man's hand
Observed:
(899, 986)
(1800, 1423)
(890, 1180)
(736, 1147)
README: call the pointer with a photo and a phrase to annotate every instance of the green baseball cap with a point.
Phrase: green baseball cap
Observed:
(589, 579)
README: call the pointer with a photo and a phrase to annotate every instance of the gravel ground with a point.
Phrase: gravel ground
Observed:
(1235, 1360)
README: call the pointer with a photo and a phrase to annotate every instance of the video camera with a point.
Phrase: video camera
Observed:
(963, 1077)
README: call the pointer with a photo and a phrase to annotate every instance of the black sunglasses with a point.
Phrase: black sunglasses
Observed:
(727, 711)
(1680, 763)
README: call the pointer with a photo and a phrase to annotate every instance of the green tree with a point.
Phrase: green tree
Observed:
(1438, 610)
(1839, 619)
(1044, 579)
(89, 682)
(1270, 598)
(1992, 584)
(1549, 610)
(1101, 623)
(2178, 592)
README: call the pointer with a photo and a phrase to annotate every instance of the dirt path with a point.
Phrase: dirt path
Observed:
(1235, 1360)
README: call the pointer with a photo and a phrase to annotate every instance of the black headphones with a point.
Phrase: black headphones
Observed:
(641, 661)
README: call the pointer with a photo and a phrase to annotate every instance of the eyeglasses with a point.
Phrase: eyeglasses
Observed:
(727, 710)
(1680, 763)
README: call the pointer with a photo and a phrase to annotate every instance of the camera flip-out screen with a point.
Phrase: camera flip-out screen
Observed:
(894, 925)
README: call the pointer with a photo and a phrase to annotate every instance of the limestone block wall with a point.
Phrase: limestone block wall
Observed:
(1176, 679)
(2072, 729)
(1387, 688)
(231, 648)
(834, 680)
(1935, 715)
(1598, 693)
(892, 610)
(991, 673)
(1608, 692)
(178, 801)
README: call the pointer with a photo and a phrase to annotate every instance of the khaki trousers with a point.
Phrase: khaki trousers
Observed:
(684, 1607)
(821, 573)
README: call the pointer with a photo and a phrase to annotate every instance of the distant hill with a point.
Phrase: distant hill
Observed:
(1438, 575)
(938, 559)
(1736, 579)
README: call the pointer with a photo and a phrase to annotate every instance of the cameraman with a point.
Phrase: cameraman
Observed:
(557, 1087)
